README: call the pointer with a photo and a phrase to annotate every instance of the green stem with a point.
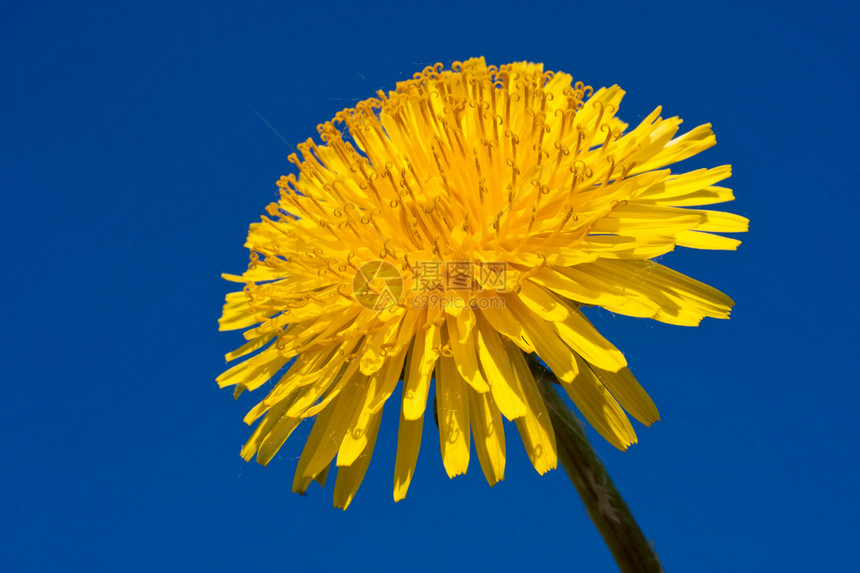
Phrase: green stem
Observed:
(604, 504)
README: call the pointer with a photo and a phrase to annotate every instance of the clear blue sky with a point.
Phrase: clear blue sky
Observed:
(131, 164)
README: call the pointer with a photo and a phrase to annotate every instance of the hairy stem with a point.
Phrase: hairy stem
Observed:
(604, 504)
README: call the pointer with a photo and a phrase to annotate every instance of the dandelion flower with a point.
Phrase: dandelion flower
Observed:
(452, 230)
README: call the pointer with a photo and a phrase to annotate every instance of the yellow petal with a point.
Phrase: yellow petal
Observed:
(389, 377)
(258, 274)
(377, 350)
(356, 437)
(321, 477)
(547, 343)
(630, 395)
(637, 218)
(678, 295)
(622, 281)
(263, 429)
(465, 324)
(422, 358)
(250, 347)
(535, 427)
(318, 435)
(310, 373)
(505, 323)
(237, 312)
(255, 371)
(276, 438)
(690, 189)
(453, 414)
(489, 435)
(578, 333)
(349, 478)
(542, 302)
(408, 444)
(344, 379)
(720, 222)
(680, 148)
(580, 286)
(308, 402)
(599, 407)
(697, 240)
(465, 356)
(638, 246)
(497, 372)
(344, 406)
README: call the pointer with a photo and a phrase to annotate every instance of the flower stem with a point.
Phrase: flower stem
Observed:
(604, 504)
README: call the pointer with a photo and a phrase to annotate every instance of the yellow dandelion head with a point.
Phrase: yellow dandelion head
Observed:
(451, 230)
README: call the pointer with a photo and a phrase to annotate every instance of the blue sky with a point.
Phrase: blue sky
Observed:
(132, 162)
